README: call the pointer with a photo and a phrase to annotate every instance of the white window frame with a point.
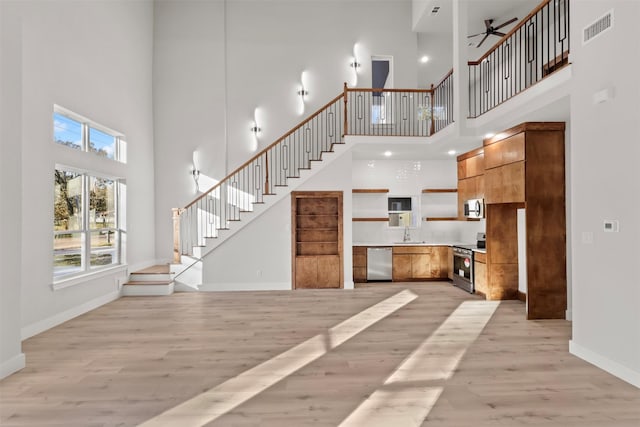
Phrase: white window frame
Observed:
(120, 148)
(86, 229)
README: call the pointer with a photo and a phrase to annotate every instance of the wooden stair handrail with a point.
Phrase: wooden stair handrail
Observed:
(510, 33)
(446, 76)
(361, 89)
(263, 152)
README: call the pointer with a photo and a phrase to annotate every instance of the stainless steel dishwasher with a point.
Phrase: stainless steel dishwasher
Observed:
(379, 263)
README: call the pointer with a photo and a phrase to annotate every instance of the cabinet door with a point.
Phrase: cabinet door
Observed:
(306, 272)
(441, 259)
(421, 266)
(328, 271)
(480, 277)
(505, 184)
(450, 263)
(402, 267)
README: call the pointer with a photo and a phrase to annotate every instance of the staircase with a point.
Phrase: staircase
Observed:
(272, 174)
(155, 280)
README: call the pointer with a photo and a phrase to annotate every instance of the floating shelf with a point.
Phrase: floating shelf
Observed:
(449, 218)
(370, 219)
(440, 190)
(370, 190)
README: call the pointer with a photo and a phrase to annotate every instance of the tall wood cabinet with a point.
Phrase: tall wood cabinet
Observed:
(317, 242)
(525, 168)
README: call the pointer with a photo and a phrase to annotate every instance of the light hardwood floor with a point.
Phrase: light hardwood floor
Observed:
(135, 358)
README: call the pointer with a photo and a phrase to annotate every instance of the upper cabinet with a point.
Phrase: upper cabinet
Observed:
(471, 181)
(505, 170)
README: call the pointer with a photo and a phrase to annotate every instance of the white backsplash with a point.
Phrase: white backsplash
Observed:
(409, 178)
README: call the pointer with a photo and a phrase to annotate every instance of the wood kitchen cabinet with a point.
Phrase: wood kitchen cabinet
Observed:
(360, 264)
(525, 168)
(316, 218)
(471, 181)
(420, 263)
(480, 273)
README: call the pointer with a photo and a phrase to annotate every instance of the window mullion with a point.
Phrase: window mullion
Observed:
(86, 250)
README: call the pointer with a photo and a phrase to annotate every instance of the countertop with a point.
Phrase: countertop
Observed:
(384, 245)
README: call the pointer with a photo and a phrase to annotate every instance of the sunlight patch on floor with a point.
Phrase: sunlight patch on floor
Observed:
(212, 404)
(403, 399)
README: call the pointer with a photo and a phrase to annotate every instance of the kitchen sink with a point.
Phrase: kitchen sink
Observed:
(410, 243)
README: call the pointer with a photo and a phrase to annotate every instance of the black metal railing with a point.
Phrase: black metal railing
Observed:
(442, 112)
(388, 112)
(537, 47)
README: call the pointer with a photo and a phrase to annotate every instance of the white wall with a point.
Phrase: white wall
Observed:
(606, 185)
(11, 357)
(438, 48)
(409, 178)
(93, 58)
(258, 257)
(268, 45)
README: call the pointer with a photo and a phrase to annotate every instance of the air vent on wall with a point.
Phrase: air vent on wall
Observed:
(601, 25)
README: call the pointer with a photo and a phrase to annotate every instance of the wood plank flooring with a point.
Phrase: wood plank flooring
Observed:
(131, 360)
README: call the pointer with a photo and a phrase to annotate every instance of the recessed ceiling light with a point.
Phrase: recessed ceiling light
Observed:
(424, 59)
(489, 135)
(388, 153)
(451, 152)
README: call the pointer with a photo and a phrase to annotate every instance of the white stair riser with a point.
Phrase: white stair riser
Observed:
(141, 277)
(148, 290)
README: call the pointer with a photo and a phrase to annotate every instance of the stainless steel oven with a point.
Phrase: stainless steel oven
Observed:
(463, 267)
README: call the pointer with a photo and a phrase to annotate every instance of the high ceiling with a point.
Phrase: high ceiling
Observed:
(478, 10)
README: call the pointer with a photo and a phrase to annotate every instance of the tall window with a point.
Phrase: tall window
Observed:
(86, 232)
(87, 224)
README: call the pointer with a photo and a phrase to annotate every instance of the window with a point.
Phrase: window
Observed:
(403, 212)
(86, 226)
(74, 131)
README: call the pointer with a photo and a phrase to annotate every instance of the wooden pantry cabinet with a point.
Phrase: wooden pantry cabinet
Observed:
(360, 264)
(525, 168)
(420, 263)
(317, 241)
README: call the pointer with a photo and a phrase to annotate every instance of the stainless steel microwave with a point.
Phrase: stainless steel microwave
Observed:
(474, 208)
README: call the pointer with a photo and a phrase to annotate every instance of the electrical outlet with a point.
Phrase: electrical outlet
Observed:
(611, 225)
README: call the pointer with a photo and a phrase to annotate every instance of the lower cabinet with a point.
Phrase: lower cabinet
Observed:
(420, 262)
(359, 264)
(319, 271)
(480, 273)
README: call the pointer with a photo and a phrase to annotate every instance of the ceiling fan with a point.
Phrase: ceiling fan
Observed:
(492, 30)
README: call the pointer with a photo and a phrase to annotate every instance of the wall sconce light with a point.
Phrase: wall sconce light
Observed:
(255, 129)
(196, 174)
(302, 92)
(354, 64)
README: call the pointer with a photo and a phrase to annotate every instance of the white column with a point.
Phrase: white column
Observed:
(460, 68)
(11, 356)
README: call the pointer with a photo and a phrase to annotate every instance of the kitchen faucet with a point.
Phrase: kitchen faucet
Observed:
(407, 235)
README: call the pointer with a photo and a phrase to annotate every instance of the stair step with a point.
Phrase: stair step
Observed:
(155, 269)
(147, 282)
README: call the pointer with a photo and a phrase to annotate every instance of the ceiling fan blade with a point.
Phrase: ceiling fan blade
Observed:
(498, 33)
(488, 22)
(476, 35)
(483, 39)
(510, 21)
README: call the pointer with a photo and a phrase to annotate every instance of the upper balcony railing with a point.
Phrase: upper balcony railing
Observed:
(534, 49)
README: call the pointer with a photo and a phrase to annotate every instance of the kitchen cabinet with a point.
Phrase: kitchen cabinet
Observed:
(480, 273)
(420, 263)
(316, 218)
(471, 180)
(360, 264)
(526, 169)
(450, 263)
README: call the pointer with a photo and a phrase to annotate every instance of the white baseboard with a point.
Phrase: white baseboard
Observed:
(12, 365)
(43, 325)
(606, 364)
(568, 315)
(254, 286)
